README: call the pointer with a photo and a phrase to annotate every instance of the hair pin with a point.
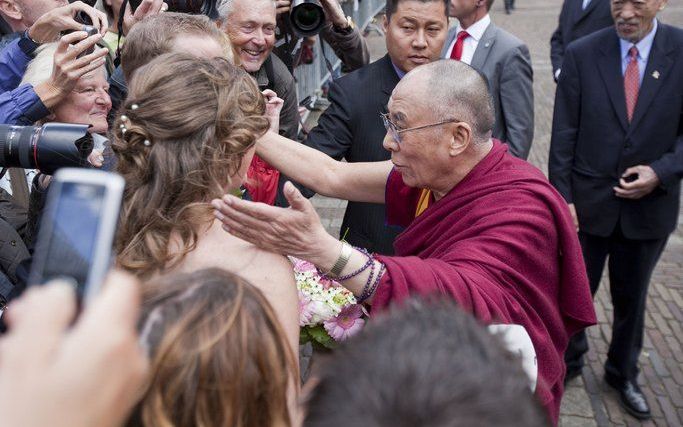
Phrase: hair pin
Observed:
(147, 143)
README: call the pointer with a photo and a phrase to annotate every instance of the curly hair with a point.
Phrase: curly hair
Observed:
(218, 354)
(181, 134)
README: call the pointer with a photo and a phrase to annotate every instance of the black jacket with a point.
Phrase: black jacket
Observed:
(593, 144)
(575, 23)
(351, 128)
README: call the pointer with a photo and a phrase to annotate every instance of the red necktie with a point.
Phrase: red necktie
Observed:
(631, 82)
(456, 53)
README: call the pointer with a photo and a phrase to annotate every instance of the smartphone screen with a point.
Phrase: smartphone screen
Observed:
(75, 227)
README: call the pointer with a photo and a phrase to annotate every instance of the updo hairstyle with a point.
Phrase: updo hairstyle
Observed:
(179, 138)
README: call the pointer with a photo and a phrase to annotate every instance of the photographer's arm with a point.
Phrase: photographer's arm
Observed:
(344, 37)
(360, 182)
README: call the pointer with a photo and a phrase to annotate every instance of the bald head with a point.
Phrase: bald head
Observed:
(453, 90)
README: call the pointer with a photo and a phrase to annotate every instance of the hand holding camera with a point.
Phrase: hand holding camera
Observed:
(48, 27)
(139, 10)
(69, 65)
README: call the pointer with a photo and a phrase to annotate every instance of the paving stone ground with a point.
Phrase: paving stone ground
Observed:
(588, 401)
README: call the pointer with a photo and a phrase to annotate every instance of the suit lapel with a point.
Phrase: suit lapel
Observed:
(389, 77)
(580, 13)
(449, 39)
(609, 64)
(484, 47)
(658, 66)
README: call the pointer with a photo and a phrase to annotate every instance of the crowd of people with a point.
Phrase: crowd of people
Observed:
(448, 228)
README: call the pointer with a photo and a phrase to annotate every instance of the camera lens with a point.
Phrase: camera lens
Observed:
(48, 147)
(307, 17)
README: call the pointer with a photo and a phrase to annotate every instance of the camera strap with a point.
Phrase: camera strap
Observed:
(119, 28)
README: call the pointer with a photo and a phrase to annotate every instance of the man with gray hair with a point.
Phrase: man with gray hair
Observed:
(21, 14)
(483, 228)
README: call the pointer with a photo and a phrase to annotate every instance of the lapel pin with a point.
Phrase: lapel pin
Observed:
(487, 44)
(655, 74)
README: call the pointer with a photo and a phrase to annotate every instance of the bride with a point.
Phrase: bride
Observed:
(186, 135)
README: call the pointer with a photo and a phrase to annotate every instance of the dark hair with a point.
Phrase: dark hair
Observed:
(424, 364)
(392, 5)
(217, 352)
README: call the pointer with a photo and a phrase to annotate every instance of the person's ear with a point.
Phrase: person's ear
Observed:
(385, 23)
(461, 138)
(10, 10)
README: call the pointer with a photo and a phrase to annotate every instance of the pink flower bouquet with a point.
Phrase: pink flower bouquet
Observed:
(328, 312)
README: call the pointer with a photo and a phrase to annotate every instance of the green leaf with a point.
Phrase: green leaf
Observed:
(320, 336)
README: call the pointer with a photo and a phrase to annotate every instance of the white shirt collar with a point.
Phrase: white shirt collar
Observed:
(644, 45)
(476, 30)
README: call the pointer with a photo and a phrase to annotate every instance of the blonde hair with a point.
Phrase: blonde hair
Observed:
(218, 354)
(39, 69)
(188, 124)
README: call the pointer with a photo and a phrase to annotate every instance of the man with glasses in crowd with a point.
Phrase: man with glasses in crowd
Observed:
(482, 227)
(351, 128)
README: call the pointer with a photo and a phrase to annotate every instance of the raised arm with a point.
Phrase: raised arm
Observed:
(358, 182)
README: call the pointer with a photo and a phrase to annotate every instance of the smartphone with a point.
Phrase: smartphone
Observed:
(91, 32)
(77, 229)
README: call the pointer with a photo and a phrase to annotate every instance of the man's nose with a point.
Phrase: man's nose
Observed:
(419, 41)
(389, 143)
(259, 38)
(627, 10)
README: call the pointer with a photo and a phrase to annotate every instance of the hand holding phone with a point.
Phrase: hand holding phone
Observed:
(91, 31)
(77, 229)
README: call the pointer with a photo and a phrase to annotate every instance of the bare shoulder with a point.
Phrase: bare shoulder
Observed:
(217, 248)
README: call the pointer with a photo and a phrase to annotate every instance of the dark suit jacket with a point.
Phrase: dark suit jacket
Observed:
(593, 144)
(351, 128)
(575, 23)
(505, 62)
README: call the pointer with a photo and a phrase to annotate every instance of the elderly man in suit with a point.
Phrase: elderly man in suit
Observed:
(616, 156)
(578, 18)
(504, 60)
(351, 127)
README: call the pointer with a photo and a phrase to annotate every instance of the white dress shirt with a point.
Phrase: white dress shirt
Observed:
(644, 46)
(476, 31)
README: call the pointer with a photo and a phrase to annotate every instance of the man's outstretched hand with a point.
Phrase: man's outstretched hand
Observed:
(295, 231)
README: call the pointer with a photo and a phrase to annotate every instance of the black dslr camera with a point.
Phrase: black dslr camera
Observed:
(48, 147)
(307, 17)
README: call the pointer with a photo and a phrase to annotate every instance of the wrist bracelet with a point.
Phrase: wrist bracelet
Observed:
(365, 266)
(369, 289)
(364, 295)
(341, 262)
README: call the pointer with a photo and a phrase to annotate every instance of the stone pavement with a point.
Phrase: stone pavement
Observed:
(588, 401)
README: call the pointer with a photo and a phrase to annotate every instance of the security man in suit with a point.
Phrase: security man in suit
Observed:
(351, 127)
(616, 156)
(578, 18)
(504, 60)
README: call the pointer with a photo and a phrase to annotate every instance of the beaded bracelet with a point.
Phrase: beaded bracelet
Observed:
(371, 285)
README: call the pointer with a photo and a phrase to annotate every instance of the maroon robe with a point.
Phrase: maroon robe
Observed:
(503, 245)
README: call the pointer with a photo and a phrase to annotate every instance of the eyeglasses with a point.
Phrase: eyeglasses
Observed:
(396, 132)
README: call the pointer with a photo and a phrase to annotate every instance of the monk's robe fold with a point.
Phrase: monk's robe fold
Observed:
(503, 245)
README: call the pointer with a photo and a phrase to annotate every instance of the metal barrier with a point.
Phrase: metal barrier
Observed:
(310, 77)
